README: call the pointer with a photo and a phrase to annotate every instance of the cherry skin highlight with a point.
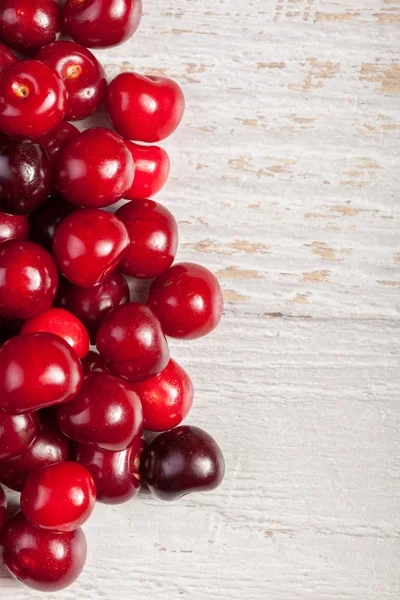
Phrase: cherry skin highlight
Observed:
(53, 142)
(7, 58)
(45, 220)
(3, 508)
(16, 433)
(13, 227)
(152, 166)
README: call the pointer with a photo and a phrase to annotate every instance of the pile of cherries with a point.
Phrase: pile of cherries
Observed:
(71, 418)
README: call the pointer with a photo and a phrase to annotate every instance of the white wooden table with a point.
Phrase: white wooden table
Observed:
(286, 183)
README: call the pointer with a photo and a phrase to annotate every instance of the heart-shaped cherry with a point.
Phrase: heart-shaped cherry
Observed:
(152, 166)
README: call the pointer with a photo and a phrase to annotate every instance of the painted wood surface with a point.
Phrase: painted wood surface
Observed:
(286, 184)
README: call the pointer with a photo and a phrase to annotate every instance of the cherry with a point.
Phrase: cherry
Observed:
(88, 245)
(13, 227)
(146, 109)
(29, 279)
(7, 58)
(27, 26)
(3, 508)
(132, 343)
(94, 169)
(166, 398)
(117, 475)
(152, 166)
(93, 363)
(32, 99)
(83, 76)
(49, 447)
(181, 461)
(53, 142)
(102, 23)
(106, 413)
(187, 299)
(16, 433)
(59, 497)
(61, 323)
(153, 234)
(25, 175)
(46, 561)
(37, 370)
(46, 219)
(91, 305)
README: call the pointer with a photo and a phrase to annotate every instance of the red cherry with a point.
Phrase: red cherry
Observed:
(94, 169)
(29, 279)
(132, 343)
(7, 58)
(166, 399)
(27, 26)
(61, 323)
(59, 497)
(102, 23)
(84, 77)
(106, 413)
(37, 370)
(88, 246)
(117, 475)
(153, 234)
(46, 561)
(93, 363)
(32, 99)
(3, 508)
(53, 142)
(146, 109)
(46, 219)
(16, 433)
(152, 166)
(91, 305)
(188, 301)
(13, 227)
(49, 447)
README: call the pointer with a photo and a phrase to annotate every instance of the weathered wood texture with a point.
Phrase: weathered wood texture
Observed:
(286, 184)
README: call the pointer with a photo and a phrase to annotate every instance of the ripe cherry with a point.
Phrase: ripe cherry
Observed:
(59, 497)
(13, 227)
(132, 343)
(88, 245)
(3, 508)
(47, 561)
(106, 413)
(53, 142)
(37, 370)
(183, 460)
(188, 301)
(93, 363)
(101, 23)
(7, 58)
(166, 398)
(152, 166)
(94, 169)
(61, 323)
(146, 109)
(29, 279)
(16, 433)
(32, 99)
(46, 219)
(84, 77)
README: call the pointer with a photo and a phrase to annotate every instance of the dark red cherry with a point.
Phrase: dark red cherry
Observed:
(153, 234)
(46, 561)
(3, 508)
(183, 460)
(93, 363)
(7, 58)
(46, 219)
(117, 475)
(152, 166)
(16, 433)
(29, 279)
(83, 76)
(106, 413)
(132, 343)
(13, 227)
(53, 142)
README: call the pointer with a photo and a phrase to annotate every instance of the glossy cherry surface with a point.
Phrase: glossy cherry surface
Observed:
(187, 299)
(37, 370)
(53, 142)
(93, 363)
(28, 279)
(3, 508)
(94, 169)
(49, 447)
(102, 23)
(46, 561)
(145, 109)
(117, 475)
(106, 413)
(183, 460)
(13, 227)
(62, 323)
(166, 398)
(32, 99)
(152, 166)
(131, 341)
(91, 305)
(88, 245)
(45, 220)
(25, 175)
(59, 497)
(153, 234)
(7, 58)
(27, 26)
(16, 433)
(84, 77)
